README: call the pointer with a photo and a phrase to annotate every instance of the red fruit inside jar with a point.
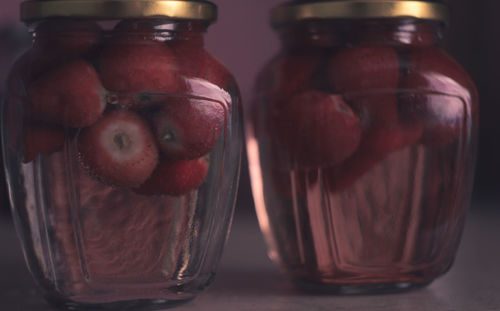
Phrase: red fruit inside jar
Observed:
(120, 149)
(188, 128)
(175, 177)
(383, 129)
(71, 36)
(316, 33)
(131, 30)
(318, 129)
(57, 41)
(440, 100)
(375, 110)
(383, 133)
(41, 139)
(70, 95)
(393, 32)
(138, 68)
(290, 74)
(443, 117)
(363, 68)
(195, 62)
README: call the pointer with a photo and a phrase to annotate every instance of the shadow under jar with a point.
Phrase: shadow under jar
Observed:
(361, 142)
(122, 143)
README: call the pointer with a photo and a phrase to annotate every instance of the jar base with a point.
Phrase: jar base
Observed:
(136, 305)
(359, 289)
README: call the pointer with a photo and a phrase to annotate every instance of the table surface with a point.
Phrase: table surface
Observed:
(248, 280)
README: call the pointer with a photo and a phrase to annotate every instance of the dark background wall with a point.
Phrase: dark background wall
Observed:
(243, 40)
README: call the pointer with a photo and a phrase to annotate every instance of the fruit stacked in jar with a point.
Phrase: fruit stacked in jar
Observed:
(122, 141)
(361, 143)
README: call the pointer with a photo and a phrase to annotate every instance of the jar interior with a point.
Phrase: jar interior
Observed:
(124, 170)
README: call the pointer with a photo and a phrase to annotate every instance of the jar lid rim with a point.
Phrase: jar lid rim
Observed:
(34, 10)
(358, 9)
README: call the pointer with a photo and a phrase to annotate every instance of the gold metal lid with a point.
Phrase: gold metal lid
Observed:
(118, 9)
(358, 9)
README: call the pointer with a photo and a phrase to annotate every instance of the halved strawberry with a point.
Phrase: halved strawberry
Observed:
(119, 149)
(135, 68)
(188, 128)
(318, 129)
(363, 68)
(70, 95)
(41, 139)
(175, 177)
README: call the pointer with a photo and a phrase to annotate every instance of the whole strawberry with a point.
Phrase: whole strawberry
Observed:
(437, 92)
(386, 32)
(195, 62)
(41, 139)
(57, 42)
(119, 149)
(175, 177)
(288, 75)
(137, 68)
(70, 95)
(383, 130)
(363, 68)
(318, 129)
(188, 128)
(70, 37)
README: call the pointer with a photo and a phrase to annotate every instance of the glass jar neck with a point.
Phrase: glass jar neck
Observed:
(335, 33)
(163, 30)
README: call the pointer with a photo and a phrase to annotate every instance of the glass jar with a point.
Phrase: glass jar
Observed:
(361, 143)
(122, 143)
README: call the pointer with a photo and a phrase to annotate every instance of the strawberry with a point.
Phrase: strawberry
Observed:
(70, 95)
(375, 146)
(363, 68)
(119, 149)
(134, 29)
(136, 68)
(393, 32)
(196, 62)
(70, 37)
(188, 128)
(175, 177)
(288, 75)
(318, 129)
(41, 139)
(384, 132)
(57, 42)
(375, 110)
(392, 137)
(432, 71)
(442, 116)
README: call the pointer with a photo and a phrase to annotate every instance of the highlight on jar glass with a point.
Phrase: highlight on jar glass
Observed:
(122, 142)
(361, 142)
